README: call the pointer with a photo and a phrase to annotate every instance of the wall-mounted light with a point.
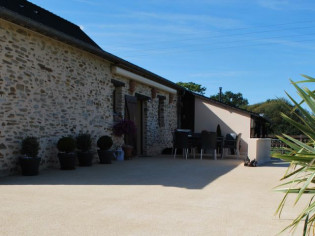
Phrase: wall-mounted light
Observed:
(132, 86)
(171, 98)
(153, 93)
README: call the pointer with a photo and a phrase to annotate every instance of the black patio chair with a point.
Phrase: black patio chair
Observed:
(208, 142)
(181, 141)
(232, 142)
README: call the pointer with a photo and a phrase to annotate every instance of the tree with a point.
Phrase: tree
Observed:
(272, 109)
(230, 98)
(191, 86)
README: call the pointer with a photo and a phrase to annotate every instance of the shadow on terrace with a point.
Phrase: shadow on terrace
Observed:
(165, 171)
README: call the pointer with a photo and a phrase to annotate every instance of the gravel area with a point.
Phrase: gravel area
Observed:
(147, 196)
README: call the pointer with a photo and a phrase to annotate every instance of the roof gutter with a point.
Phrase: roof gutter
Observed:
(125, 73)
(218, 103)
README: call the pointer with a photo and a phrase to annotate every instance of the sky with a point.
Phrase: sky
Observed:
(249, 46)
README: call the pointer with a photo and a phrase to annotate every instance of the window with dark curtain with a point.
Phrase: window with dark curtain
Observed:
(117, 99)
(161, 109)
(114, 101)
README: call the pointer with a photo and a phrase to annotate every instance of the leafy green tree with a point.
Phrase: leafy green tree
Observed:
(230, 98)
(197, 88)
(300, 175)
(272, 109)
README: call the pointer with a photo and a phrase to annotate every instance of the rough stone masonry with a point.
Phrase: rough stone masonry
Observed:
(49, 89)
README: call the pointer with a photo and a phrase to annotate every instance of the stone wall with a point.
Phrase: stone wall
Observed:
(156, 137)
(49, 89)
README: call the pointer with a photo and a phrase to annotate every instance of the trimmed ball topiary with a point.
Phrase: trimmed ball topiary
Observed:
(84, 142)
(30, 147)
(105, 142)
(66, 144)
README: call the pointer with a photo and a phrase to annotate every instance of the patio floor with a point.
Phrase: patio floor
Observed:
(146, 196)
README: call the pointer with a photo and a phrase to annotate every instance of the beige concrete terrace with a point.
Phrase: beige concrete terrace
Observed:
(146, 196)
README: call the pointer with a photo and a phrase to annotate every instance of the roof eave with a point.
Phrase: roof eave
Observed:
(228, 106)
(60, 36)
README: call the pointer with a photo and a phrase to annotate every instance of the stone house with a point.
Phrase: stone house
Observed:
(55, 81)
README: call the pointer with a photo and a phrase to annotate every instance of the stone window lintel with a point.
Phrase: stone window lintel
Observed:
(117, 83)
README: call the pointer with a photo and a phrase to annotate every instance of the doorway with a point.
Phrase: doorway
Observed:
(135, 111)
(139, 125)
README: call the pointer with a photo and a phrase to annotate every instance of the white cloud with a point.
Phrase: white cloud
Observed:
(147, 30)
(220, 74)
(289, 43)
(287, 5)
(177, 19)
(274, 4)
(89, 2)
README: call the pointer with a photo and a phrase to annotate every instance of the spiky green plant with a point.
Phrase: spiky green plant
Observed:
(300, 175)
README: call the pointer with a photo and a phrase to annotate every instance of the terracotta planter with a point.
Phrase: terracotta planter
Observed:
(128, 151)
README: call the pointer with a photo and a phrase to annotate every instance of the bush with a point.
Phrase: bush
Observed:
(84, 142)
(30, 147)
(105, 142)
(66, 144)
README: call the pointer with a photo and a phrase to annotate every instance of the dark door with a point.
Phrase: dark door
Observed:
(134, 112)
(139, 124)
(130, 114)
(187, 111)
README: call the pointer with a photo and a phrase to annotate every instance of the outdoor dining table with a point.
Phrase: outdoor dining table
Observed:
(195, 141)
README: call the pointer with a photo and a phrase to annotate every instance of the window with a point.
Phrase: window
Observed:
(258, 127)
(114, 99)
(117, 99)
(161, 112)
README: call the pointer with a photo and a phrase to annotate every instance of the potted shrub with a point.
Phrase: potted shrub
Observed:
(66, 155)
(104, 143)
(84, 144)
(30, 162)
(127, 128)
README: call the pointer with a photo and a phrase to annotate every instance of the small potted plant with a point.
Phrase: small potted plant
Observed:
(84, 144)
(30, 162)
(104, 143)
(127, 128)
(66, 155)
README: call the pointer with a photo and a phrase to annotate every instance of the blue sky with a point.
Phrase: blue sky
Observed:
(248, 46)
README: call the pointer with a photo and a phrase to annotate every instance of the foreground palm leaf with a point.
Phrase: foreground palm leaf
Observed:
(300, 175)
